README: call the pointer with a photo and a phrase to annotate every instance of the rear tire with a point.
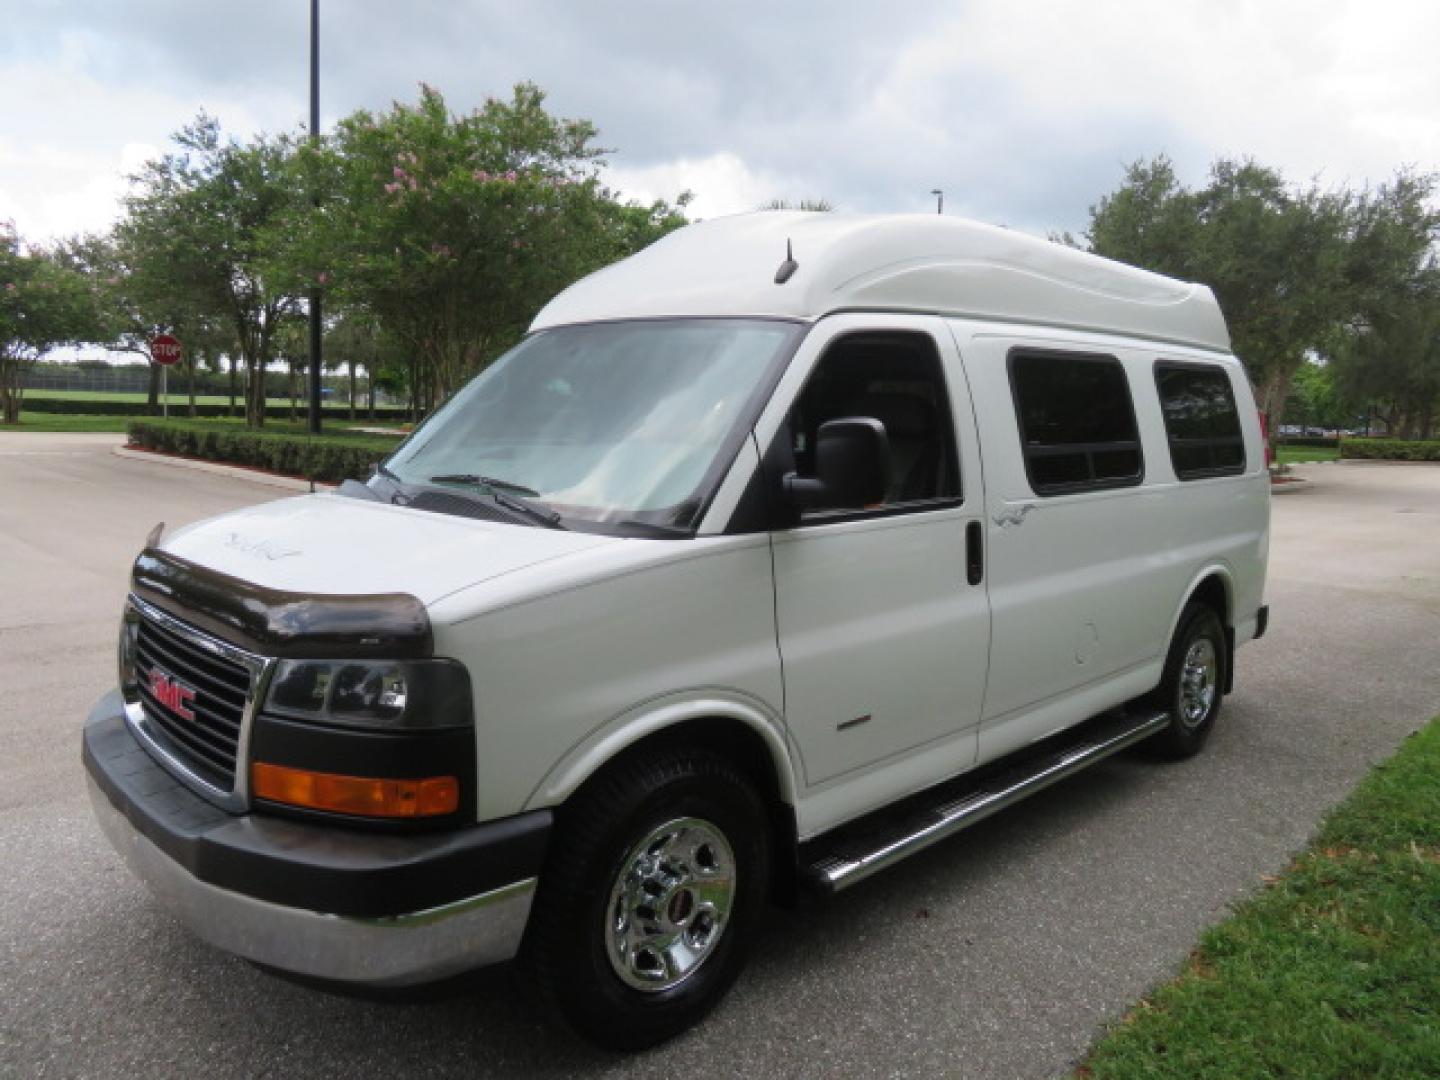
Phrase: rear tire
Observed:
(655, 879)
(1192, 687)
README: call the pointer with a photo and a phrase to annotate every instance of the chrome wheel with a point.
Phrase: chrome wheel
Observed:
(669, 904)
(1198, 676)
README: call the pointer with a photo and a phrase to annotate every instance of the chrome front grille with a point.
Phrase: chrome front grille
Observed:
(190, 699)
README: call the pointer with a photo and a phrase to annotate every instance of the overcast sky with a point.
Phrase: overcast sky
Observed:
(1023, 112)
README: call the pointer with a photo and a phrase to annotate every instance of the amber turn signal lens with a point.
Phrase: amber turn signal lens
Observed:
(360, 795)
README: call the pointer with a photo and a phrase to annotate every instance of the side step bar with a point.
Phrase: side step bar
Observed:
(854, 857)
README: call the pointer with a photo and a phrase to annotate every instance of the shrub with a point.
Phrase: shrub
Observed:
(1322, 442)
(330, 458)
(1391, 449)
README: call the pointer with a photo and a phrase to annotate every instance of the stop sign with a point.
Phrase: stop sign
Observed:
(165, 350)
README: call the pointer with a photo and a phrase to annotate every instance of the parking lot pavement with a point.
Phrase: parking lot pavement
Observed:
(998, 954)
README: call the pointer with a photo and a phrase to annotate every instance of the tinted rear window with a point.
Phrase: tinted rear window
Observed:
(1201, 420)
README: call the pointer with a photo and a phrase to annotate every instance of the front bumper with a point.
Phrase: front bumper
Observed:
(368, 908)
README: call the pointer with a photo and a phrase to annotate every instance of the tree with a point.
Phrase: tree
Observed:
(451, 231)
(43, 304)
(291, 348)
(1388, 351)
(201, 227)
(1390, 257)
(1316, 398)
(357, 343)
(1151, 220)
(124, 324)
(1273, 255)
(1393, 360)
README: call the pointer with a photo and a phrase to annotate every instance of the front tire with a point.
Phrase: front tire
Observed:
(1192, 686)
(653, 884)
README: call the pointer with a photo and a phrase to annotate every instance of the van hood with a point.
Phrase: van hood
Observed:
(329, 544)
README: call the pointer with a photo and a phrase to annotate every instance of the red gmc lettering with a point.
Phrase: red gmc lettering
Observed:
(171, 693)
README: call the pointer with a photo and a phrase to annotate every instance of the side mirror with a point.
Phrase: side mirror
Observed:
(852, 467)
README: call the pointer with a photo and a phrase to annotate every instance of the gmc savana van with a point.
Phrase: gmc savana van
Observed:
(772, 555)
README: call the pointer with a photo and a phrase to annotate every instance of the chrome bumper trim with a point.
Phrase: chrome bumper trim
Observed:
(398, 950)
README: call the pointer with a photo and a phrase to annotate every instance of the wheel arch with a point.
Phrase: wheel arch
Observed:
(1214, 586)
(742, 729)
(722, 719)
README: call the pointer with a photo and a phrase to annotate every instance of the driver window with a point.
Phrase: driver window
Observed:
(895, 378)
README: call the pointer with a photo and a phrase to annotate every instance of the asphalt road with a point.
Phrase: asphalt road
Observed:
(998, 954)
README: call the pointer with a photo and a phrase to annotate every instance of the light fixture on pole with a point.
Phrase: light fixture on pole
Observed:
(939, 200)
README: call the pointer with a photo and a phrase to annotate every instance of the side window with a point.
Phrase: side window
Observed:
(895, 378)
(1201, 421)
(1077, 421)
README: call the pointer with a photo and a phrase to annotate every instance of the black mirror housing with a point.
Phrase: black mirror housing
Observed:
(852, 467)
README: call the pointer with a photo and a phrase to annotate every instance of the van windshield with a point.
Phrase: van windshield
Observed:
(606, 422)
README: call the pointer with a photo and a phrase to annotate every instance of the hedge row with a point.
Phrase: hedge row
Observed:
(81, 406)
(1323, 442)
(329, 458)
(1391, 449)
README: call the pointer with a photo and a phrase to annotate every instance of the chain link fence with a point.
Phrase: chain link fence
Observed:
(91, 380)
(135, 379)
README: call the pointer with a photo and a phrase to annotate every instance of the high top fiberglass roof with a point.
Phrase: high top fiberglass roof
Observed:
(890, 262)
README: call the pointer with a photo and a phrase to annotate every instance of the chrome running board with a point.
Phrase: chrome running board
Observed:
(850, 855)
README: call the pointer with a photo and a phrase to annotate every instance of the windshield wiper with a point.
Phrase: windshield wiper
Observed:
(496, 489)
(487, 481)
(652, 529)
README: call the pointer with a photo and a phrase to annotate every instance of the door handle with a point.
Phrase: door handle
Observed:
(974, 553)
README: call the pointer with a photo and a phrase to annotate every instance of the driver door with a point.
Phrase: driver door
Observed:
(883, 636)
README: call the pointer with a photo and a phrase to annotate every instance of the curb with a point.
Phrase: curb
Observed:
(1383, 461)
(234, 472)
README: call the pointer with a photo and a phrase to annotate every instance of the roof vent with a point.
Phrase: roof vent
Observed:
(787, 268)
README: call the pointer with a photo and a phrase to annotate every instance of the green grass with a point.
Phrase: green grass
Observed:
(1293, 455)
(35, 421)
(1333, 971)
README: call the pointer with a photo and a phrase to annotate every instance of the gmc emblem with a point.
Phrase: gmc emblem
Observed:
(171, 693)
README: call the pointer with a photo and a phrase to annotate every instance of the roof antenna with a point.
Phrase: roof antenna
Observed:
(788, 267)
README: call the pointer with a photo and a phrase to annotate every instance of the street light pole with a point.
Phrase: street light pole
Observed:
(939, 200)
(315, 289)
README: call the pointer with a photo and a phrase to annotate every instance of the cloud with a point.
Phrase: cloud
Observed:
(721, 183)
(1023, 113)
(1346, 89)
(68, 146)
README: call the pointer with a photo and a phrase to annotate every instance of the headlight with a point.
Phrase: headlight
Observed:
(389, 695)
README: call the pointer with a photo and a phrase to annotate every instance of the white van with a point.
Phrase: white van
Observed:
(772, 555)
